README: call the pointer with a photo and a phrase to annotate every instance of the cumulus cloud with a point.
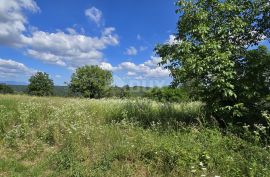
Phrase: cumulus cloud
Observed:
(10, 68)
(153, 62)
(131, 51)
(12, 20)
(70, 49)
(107, 66)
(94, 14)
(148, 69)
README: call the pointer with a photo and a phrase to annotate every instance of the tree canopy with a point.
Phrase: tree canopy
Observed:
(90, 81)
(40, 85)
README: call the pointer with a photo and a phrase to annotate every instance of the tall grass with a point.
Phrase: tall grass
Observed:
(110, 137)
(147, 113)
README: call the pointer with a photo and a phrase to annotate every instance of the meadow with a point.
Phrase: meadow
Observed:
(53, 136)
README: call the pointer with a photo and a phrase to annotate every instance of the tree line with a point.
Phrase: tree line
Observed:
(94, 82)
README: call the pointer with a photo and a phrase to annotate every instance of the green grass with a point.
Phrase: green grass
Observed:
(110, 137)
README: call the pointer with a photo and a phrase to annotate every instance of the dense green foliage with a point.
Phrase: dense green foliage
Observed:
(253, 85)
(167, 94)
(40, 85)
(90, 82)
(46, 136)
(5, 89)
(210, 56)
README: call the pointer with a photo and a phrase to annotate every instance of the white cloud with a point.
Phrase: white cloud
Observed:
(70, 49)
(10, 69)
(94, 14)
(12, 20)
(172, 40)
(129, 73)
(107, 66)
(131, 51)
(148, 69)
(153, 62)
(128, 65)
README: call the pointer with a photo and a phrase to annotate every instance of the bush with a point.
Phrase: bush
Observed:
(167, 94)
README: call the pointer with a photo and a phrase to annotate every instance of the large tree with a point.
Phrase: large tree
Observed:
(90, 81)
(212, 41)
(40, 85)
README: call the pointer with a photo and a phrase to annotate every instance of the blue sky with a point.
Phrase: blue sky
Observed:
(58, 36)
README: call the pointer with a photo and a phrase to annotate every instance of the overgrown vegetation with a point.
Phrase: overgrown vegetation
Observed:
(168, 94)
(211, 57)
(225, 133)
(110, 137)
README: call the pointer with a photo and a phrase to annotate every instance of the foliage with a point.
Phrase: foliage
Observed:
(48, 136)
(5, 89)
(253, 85)
(211, 43)
(128, 91)
(167, 94)
(40, 85)
(125, 92)
(90, 81)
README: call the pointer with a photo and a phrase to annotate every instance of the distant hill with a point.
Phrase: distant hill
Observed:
(62, 91)
(13, 83)
(58, 90)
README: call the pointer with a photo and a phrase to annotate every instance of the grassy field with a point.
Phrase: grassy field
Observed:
(80, 137)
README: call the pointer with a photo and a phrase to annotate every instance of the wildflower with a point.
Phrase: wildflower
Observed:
(193, 171)
(201, 164)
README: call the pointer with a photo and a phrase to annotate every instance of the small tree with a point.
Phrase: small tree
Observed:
(40, 85)
(90, 82)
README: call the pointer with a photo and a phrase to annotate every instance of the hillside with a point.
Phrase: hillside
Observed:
(112, 137)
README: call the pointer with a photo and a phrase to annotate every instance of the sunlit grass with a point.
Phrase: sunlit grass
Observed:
(112, 137)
